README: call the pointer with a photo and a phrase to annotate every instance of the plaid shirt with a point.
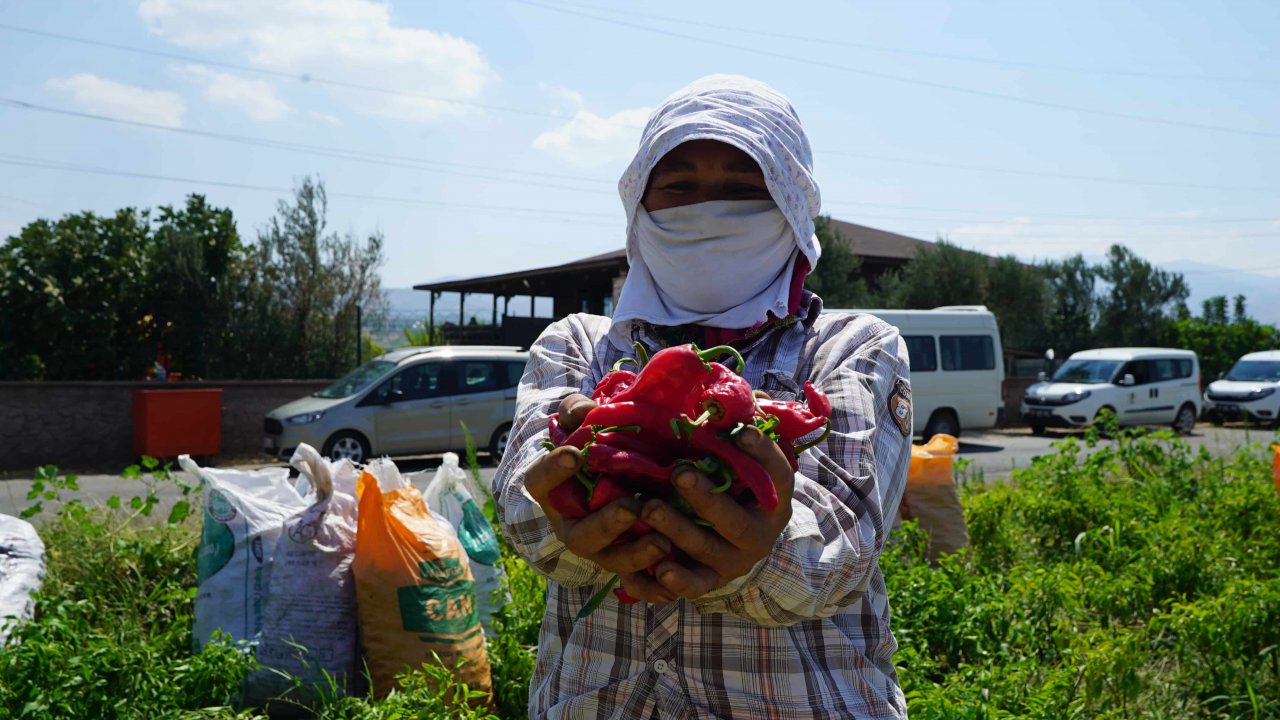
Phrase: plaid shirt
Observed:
(806, 633)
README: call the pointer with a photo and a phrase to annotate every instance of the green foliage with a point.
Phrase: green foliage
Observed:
(1220, 341)
(103, 298)
(422, 337)
(1140, 302)
(943, 274)
(1126, 578)
(837, 279)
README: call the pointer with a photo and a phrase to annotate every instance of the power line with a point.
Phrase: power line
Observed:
(418, 164)
(912, 81)
(928, 53)
(319, 150)
(299, 77)
(1057, 176)
(524, 213)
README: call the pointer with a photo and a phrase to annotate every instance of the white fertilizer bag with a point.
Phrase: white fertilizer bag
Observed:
(309, 615)
(21, 572)
(453, 494)
(244, 514)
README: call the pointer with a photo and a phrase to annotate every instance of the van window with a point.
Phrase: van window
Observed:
(921, 352)
(967, 352)
(514, 372)
(1170, 369)
(1139, 369)
(477, 376)
(415, 382)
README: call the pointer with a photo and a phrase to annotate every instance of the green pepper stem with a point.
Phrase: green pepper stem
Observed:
(597, 599)
(724, 350)
(826, 430)
(642, 354)
(618, 365)
(547, 445)
(728, 482)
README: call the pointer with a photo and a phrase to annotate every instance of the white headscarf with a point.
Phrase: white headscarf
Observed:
(754, 118)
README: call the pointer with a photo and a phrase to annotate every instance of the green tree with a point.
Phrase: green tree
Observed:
(73, 293)
(1071, 304)
(1219, 342)
(1140, 303)
(194, 255)
(1017, 293)
(302, 283)
(837, 279)
(941, 274)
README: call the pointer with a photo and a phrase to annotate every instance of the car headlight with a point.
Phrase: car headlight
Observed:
(304, 418)
(1075, 397)
(1261, 393)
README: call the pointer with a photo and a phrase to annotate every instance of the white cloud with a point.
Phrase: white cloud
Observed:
(351, 41)
(255, 98)
(118, 100)
(591, 140)
(325, 118)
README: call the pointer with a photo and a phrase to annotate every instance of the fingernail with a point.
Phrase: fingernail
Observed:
(568, 461)
(686, 479)
(656, 515)
(751, 437)
(624, 515)
(666, 576)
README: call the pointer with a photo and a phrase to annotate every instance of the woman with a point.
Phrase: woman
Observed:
(776, 613)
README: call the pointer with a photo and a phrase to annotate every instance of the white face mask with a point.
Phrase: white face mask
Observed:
(725, 263)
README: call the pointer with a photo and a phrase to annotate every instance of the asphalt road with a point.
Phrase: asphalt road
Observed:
(995, 454)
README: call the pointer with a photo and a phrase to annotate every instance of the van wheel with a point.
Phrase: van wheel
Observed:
(498, 445)
(1037, 429)
(942, 422)
(347, 445)
(1185, 421)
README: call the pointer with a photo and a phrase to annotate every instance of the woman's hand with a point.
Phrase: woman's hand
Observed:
(593, 536)
(740, 536)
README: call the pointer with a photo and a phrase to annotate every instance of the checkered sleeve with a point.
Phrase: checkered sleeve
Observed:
(846, 488)
(559, 365)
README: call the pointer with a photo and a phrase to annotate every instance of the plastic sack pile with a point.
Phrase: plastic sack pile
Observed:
(348, 568)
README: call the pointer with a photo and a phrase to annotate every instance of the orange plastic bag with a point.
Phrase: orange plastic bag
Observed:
(931, 498)
(414, 591)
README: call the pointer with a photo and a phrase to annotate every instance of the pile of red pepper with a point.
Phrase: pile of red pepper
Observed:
(679, 407)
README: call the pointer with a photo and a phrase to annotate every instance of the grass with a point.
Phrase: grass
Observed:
(1139, 579)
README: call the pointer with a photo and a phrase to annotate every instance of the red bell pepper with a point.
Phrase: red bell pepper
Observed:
(570, 499)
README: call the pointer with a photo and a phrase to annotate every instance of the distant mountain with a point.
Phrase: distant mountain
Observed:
(1262, 292)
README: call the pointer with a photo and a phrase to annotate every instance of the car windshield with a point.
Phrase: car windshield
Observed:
(1091, 372)
(1255, 371)
(357, 380)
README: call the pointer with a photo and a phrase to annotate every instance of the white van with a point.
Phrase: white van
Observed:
(1250, 390)
(1142, 386)
(957, 367)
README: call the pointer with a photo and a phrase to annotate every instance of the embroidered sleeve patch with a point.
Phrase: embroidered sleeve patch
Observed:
(900, 406)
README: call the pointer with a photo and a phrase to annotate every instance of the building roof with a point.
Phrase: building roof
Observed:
(865, 242)
(872, 243)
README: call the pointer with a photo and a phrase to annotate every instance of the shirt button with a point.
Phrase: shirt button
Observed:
(661, 667)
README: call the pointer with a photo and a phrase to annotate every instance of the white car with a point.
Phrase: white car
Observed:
(406, 402)
(1142, 386)
(1249, 391)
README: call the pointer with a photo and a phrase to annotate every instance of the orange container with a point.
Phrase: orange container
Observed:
(1275, 465)
(169, 423)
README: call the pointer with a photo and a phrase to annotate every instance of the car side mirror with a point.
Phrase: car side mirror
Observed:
(1222, 375)
(1127, 380)
(1041, 376)
(395, 396)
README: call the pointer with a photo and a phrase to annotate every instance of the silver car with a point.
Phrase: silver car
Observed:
(406, 402)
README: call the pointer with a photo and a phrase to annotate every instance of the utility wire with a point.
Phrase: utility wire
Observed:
(527, 213)
(1055, 176)
(299, 77)
(927, 53)
(320, 150)
(418, 164)
(912, 81)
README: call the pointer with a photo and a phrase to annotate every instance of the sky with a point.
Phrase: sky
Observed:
(487, 136)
